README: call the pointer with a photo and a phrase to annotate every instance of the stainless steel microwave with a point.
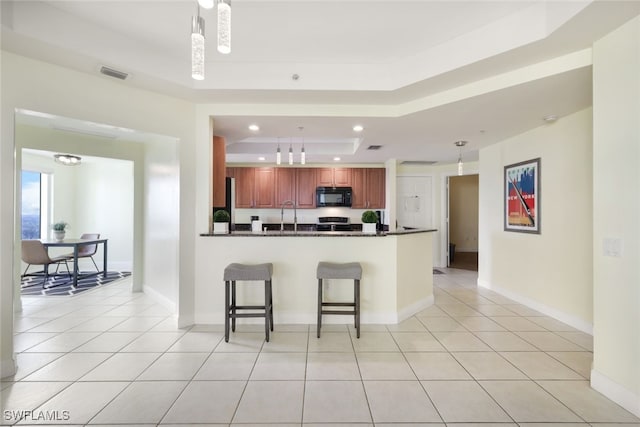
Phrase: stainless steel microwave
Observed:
(333, 196)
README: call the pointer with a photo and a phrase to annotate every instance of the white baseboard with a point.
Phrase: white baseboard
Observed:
(389, 318)
(160, 299)
(414, 308)
(570, 320)
(7, 367)
(615, 392)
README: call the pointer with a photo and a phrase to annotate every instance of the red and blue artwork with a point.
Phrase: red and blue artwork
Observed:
(522, 198)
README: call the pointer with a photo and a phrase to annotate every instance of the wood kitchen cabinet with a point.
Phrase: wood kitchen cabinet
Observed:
(368, 188)
(306, 188)
(333, 177)
(285, 185)
(255, 187)
(245, 186)
(265, 185)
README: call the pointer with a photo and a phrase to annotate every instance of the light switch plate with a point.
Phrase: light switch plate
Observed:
(612, 246)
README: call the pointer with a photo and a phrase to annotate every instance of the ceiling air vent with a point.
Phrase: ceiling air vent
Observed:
(113, 73)
(374, 147)
(419, 162)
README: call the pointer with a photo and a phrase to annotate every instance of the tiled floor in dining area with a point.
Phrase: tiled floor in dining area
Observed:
(113, 357)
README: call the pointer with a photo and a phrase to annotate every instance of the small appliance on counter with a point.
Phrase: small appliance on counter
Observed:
(256, 224)
(333, 223)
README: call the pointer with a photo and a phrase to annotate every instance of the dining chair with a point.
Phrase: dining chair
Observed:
(87, 251)
(34, 253)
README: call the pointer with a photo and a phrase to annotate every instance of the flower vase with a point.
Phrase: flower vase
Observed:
(59, 235)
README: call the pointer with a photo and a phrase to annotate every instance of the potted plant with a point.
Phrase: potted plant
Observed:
(59, 230)
(369, 221)
(221, 220)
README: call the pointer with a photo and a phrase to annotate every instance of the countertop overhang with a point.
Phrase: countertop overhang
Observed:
(288, 233)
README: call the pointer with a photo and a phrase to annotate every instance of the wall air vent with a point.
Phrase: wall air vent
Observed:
(113, 73)
(374, 147)
(418, 162)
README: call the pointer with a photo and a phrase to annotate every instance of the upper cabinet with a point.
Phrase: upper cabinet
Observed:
(368, 188)
(285, 185)
(255, 187)
(270, 187)
(306, 187)
(333, 177)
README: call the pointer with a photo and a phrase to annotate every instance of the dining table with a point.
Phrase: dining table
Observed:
(76, 244)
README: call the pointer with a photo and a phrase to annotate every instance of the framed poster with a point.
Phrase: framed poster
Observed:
(522, 197)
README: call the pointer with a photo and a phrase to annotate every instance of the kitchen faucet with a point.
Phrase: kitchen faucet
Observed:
(295, 215)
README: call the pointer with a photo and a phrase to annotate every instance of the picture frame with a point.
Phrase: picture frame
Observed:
(522, 197)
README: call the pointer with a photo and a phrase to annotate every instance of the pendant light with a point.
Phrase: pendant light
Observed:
(278, 154)
(303, 157)
(290, 154)
(197, 47)
(460, 144)
(224, 26)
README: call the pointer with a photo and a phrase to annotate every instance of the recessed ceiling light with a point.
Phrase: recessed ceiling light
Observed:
(336, 159)
(358, 128)
(550, 118)
(254, 127)
(262, 159)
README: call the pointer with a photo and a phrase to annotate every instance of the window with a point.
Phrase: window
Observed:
(35, 198)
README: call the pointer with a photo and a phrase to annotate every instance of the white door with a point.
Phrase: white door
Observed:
(414, 202)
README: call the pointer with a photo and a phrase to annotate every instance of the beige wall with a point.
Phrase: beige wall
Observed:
(616, 209)
(550, 271)
(463, 212)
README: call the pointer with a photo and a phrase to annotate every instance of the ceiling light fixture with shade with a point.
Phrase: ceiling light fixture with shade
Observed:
(460, 144)
(197, 46)
(67, 159)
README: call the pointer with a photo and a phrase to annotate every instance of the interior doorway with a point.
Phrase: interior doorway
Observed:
(462, 233)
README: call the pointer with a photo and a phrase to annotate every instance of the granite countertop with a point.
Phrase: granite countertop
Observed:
(288, 233)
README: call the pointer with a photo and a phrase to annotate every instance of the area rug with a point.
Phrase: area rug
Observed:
(61, 285)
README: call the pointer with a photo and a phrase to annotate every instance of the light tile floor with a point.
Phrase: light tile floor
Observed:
(112, 357)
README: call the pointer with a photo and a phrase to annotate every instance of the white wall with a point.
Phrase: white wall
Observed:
(549, 271)
(38, 86)
(616, 209)
(162, 224)
(104, 193)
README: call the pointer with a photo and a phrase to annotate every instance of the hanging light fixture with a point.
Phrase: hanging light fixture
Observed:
(303, 157)
(224, 26)
(290, 154)
(197, 46)
(278, 154)
(460, 144)
(206, 4)
(67, 159)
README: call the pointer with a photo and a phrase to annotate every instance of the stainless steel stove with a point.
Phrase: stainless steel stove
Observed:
(333, 223)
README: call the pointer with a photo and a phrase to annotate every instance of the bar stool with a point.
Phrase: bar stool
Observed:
(245, 272)
(330, 270)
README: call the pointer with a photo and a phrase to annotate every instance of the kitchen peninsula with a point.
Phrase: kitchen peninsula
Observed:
(397, 279)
